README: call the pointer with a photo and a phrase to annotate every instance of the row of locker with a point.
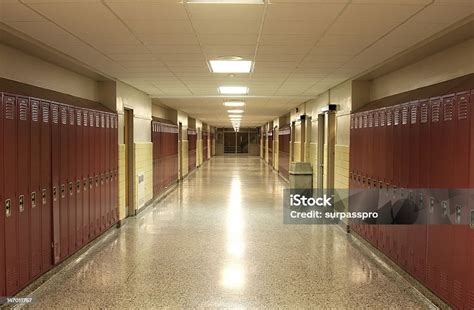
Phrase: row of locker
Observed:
(192, 149)
(284, 137)
(165, 156)
(270, 147)
(420, 154)
(58, 184)
(205, 140)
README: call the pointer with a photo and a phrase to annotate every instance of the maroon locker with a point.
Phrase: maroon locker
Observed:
(2, 212)
(34, 188)
(376, 156)
(97, 152)
(370, 147)
(53, 200)
(402, 231)
(115, 169)
(78, 178)
(381, 174)
(85, 175)
(23, 173)
(10, 140)
(107, 162)
(64, 174)
(102, 147)
(71, 192)
(92, 174)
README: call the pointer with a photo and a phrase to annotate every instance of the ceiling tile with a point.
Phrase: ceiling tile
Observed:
(147, 27)
(223, 39)
(214, 12)
(228, 27)
(148, 11)
(277, 27)
(322, 12)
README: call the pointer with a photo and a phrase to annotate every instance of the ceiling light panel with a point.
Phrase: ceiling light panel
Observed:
(235, 111)
(234, 103)
(233, 90)
(231, 66)
(227, 1)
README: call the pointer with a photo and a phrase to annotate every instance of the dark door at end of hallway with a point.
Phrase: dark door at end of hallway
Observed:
(242, 142)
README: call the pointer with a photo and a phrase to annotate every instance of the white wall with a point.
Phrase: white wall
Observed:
(129, 97)
(21, 67)
(445, 65)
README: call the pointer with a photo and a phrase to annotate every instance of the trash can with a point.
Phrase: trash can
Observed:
(301, 175)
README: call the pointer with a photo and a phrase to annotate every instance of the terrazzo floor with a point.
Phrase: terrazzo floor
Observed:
(218, 241)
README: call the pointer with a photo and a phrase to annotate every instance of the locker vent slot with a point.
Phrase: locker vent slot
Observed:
(91, 120)
(448, 111)
(405, 115)
(63, 116)
(71, 117)
(462, 109)
(34, 111)
(97, 120)
(376, 119)
(365, 120)
(46, 114)
(9, 110)
(102, 121)
(371, 120)
(435, 112)
(23, 110)
(424, 113)
(389, 118)
(85, 118)
(396, 118)
(382, 118)
(413, 114)
(79, 118)
(107, 122)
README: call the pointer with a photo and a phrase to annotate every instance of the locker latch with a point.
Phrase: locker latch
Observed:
(472, 219)
(444, 206)
(101, 179)
(458, 214)
(96, 181)
(90, 183)
(63, 191)
(70, 189)
(43, 196)
(78, 186)
(106, 178)
(21, 203)
(8, 208)
(394, 192)
(369, 182)
(33, 200)
(420, 202)
(432, 203)
(85, 185)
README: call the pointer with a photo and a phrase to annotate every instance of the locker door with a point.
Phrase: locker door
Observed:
(116, 145)
(34, 188)
(459, 199)
(103, 207)
(10, 200)
(64, 174)
(85, 175)
(72, 180)
(92, 175)
(107, 162)
(2, 212)
(23, 175)
(96, 157)
(51, 148)
(78, 180)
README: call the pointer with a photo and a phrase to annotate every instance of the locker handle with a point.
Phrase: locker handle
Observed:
(85, 185)
(445, 207)
(63, 191)
(458, 214)
(33, 200)
(78, 186)
(70, 189)
(472, 219)
(96, 181)
(21, 203)
(90, 183)
(101, 179)
(432, 203)
(43, 196)
(420, 205)
(8, 208)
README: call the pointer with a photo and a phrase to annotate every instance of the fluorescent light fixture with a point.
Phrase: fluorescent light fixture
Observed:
(235, 111)
(233, 90)
(234, 103)
(231, 66)
(227, 1)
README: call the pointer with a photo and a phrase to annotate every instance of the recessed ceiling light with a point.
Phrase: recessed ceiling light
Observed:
(233, 90)
(231, 66)
(234, 103)
(227, 1)
(235, 111)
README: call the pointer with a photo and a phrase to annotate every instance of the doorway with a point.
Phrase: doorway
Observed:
(321, 143)
(129, 159)
(180, 150)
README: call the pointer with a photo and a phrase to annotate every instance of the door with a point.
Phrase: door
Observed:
(128, 140)
(321, 143)
(242, 146)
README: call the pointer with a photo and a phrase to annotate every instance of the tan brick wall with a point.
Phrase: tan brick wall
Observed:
(143, 164)
(122, 211)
